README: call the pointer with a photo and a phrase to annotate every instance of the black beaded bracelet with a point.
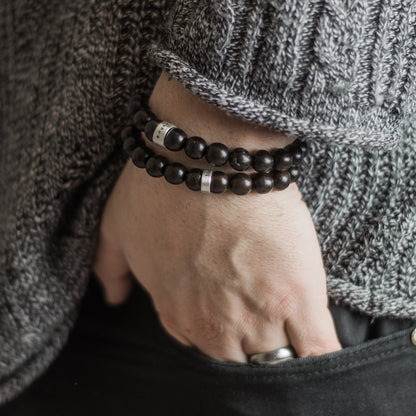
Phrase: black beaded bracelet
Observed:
(172, 138)
(204, 180)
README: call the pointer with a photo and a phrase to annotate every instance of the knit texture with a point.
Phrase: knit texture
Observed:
(333, 71)
(341, 74)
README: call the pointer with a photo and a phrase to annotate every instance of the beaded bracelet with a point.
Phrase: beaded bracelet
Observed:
(172, 138)
(205, 180)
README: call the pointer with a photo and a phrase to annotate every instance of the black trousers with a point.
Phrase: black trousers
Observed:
(120, 361)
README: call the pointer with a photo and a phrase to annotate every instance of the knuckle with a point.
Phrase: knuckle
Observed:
(290, 304)
(274, 306)
(283, 306)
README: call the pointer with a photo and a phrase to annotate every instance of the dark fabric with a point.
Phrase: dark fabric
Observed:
(120, 361)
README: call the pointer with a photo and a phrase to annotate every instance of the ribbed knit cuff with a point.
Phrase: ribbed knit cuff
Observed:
(318, 70)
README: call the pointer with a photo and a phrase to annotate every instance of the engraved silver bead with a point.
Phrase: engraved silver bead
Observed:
(161, 131)
(206, 180)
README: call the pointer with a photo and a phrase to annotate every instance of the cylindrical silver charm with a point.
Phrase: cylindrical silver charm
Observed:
(161, 131)
(206, 180)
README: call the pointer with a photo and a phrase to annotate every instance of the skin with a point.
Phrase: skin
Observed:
(228, 275)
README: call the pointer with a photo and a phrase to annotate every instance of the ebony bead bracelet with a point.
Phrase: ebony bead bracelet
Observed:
(216, 154)
(204, 180)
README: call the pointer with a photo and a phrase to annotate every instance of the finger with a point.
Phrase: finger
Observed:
(224, 347)
(224, 350)
(311, 331)
(264, 338)
(112, 272)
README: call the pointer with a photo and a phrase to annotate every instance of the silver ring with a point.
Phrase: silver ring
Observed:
(274, 356)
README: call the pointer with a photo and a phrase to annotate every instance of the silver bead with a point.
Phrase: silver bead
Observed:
(206, 180)
(161, 131)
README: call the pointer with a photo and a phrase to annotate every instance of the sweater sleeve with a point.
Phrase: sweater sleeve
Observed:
(331, 71)
(66, 72)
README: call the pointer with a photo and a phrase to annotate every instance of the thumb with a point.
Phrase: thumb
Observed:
(112, 271)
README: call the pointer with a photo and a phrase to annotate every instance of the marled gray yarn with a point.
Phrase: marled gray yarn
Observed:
(341, 74)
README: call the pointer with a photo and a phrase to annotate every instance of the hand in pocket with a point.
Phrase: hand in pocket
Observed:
(228, 275)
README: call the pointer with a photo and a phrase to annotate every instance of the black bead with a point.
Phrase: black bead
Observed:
(282, 160)
(156, 166)
(127, 132)
(263, 182)
(134, 106)
(263, 161)
(141, 155)
(219, 182)
(281, 179)
(141, 118)
(296, 153)
(240, 159)
(175, 173)
(241, 183)
(138, 142)
(175, 139)
(217, 154)
(294, 173)
(195, 147)
(193, 179)
(129, 145)
(149, 128)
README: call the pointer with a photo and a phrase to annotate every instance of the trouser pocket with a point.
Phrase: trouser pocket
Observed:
(120, 361)
(375, 377)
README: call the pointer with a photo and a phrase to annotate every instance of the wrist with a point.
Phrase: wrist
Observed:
(176, 106)
(172, 102)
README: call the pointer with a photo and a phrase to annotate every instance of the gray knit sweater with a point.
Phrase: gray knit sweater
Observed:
(341, 74)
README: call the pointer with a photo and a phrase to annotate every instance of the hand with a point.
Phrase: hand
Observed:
(228, 275)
